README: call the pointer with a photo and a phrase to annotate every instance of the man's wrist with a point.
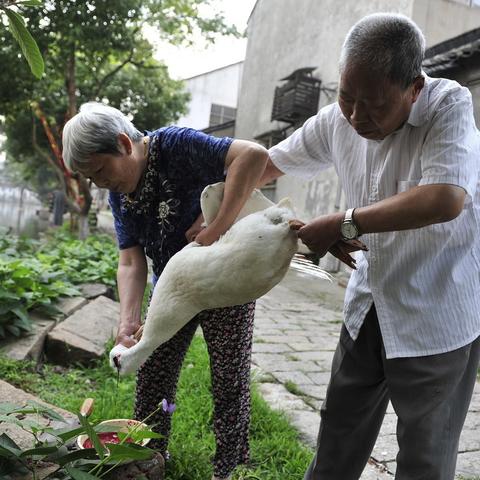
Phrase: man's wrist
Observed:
(349, 229)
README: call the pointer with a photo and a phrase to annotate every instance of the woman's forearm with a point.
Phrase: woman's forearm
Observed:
(243, 175)
(131, 279)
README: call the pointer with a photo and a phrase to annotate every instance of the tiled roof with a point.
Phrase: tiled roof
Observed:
(448, 55)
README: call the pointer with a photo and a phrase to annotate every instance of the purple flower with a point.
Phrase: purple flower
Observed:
(168, 407)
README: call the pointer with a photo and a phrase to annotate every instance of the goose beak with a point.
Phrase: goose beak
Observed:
(116, 361)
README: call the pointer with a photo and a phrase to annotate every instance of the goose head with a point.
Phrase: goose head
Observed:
(123, 360)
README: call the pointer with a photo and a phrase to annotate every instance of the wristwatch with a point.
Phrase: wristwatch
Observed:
(348, 229)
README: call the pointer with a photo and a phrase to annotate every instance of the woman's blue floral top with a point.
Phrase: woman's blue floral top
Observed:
(181, 163)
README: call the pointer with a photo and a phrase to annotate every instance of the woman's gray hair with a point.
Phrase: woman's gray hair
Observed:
(94, 129)
(389, 44)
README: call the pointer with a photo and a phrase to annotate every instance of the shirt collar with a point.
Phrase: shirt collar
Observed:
(419, 112)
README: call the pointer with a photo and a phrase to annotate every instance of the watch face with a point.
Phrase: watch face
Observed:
(349, 231)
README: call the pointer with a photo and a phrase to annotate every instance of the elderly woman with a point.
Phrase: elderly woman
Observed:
(155, 180)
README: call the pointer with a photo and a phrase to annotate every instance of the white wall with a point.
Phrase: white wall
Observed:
(444, 19)
(219, 86)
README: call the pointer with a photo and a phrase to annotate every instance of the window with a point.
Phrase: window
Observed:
(221, 114)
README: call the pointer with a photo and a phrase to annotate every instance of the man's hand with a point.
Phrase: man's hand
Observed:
(322, 233)
(195, 229)
(342, 250)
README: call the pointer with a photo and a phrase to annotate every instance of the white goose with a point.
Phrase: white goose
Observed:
(244, 264)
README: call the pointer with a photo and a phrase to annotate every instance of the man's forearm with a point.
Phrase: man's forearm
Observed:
(419, 207)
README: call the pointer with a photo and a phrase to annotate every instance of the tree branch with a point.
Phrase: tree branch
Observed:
(111, 74)
(72, 206)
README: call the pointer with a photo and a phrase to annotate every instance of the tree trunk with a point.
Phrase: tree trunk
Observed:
(83, 226)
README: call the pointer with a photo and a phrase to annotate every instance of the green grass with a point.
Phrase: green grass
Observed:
(292, 387)
(276, 452)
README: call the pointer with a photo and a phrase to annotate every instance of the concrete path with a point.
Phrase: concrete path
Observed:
(296, 331)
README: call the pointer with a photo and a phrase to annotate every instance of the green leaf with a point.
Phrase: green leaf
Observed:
(13, 330)
(140, 435)
(30, 3)
(128, 451)
(27, 43)
(4, 294)
(92, 435)
(39, 451)
(46, 411)
(6, 408)
(77, 474)
(67, 433)
(86, 453)
(8, 448)
(21, 313)
(49, 310)
(10, 419)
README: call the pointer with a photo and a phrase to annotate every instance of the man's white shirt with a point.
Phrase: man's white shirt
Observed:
(425, 283)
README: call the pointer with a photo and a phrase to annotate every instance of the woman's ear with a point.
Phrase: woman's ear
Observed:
(125, 143)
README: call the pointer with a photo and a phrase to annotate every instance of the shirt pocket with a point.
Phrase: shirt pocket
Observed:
(405, 185)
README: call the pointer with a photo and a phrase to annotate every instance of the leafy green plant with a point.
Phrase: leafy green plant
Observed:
(27, 285)
(50, 445)
(27, 43)
(33, 274)
(91, 260)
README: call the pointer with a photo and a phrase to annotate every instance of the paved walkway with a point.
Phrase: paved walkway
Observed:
(296, 330)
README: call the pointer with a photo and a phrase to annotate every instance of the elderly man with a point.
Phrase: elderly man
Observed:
(406, 149)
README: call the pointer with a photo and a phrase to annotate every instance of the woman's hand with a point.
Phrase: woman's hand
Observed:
(195, 229)
(208, 235)
(126, 340)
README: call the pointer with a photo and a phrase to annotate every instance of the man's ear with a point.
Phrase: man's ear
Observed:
(417, 86)
(125, 142)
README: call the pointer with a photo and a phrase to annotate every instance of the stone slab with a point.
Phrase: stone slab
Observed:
(279, 398)
(82, 336)
(307, 423)
(94, 290)
(11, 394)
(69, 305)
(29, 346)
(270, 348)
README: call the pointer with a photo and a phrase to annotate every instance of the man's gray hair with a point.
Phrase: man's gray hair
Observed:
(389, 44)
(94, 129)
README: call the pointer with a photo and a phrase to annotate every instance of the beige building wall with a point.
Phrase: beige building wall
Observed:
(219, 86)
